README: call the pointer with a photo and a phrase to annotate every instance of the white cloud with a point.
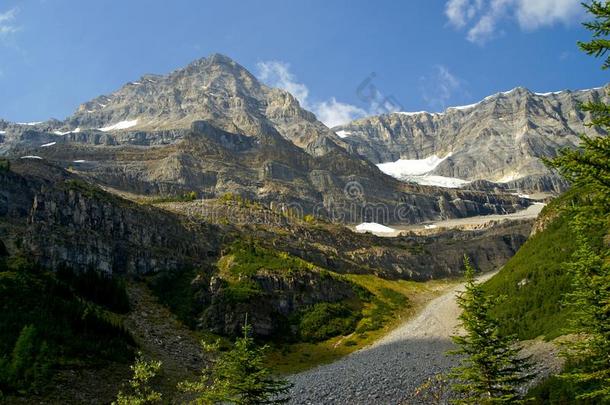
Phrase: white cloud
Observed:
(540, 13)
(277, 74)
(330, 112)
(482, 18)
(459, 12)
(7, 20)
(333, 113)
(438, 88)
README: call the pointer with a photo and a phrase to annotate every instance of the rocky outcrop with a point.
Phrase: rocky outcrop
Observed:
(500, 139)
(281, 295)
(61, 220)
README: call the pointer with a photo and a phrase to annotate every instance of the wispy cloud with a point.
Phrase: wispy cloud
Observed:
(439, 87)
(331, 112)
(482, 18)
(7, 22)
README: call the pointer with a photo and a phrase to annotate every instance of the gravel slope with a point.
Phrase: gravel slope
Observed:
(390, 369)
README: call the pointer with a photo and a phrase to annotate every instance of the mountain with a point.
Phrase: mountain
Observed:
(213, 129)
(500, 139)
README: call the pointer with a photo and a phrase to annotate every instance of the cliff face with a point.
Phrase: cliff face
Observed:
(63, 221)
(279, 297)
(500, 139)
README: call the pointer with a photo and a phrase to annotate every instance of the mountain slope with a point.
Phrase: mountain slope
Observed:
(500, 139)
(212, 128)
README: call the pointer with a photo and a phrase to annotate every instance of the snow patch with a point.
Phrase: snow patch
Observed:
(411, 167)
(120, 125)
(30, 157)
(343, 134)
(79, 161)
(77, 130)
(46, 145)
(551, 93)
(464, 107)
(2, 132)
(29, 123)
(419, 171)
(374, 227)
(437, 181)
(414, 113)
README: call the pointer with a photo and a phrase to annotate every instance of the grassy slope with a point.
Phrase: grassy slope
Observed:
(534, 280)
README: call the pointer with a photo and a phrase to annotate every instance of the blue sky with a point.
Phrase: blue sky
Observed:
(343, 58)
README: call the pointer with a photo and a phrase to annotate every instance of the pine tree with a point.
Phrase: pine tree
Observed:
(589, 168)
(141, 391)
(491, 368)
(239, 376)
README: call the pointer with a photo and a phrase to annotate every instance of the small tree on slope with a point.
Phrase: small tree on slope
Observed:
(141, 391)
(491, 369)
(239, 376)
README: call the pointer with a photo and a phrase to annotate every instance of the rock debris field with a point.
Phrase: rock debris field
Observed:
(388, 371)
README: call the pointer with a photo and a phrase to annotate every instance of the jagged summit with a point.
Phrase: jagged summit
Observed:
(215, 89)
(500, 139)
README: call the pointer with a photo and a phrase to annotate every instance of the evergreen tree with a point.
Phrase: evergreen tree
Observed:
(589, 168)
(239, 376)
(491, 368)
(141, 391)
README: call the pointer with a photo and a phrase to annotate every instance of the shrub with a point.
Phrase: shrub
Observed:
(325, 320)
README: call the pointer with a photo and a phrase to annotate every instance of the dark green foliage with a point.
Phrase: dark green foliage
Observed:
(589, 355)
(250, 257)
(491, 367)
(44, 322)
(325, 320)
(535, 279)
(600, 28)
(239, 376)
(243, 290)
(29, 363)
(558, 391)
(5, 165)
(175, 290)
(383, 307)
(102, 289)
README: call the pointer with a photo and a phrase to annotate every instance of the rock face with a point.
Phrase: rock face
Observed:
(61, 220)
(214, 129)
(500, 139)
(281, 296)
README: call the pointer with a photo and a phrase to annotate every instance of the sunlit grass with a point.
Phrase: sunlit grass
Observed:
(387, 309)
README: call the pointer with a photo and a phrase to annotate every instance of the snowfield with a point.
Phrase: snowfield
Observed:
(30, 157)
(120, 125)
(77, 130)
(418, 171)
(343, 134)
(374, 228)
(46, 145)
